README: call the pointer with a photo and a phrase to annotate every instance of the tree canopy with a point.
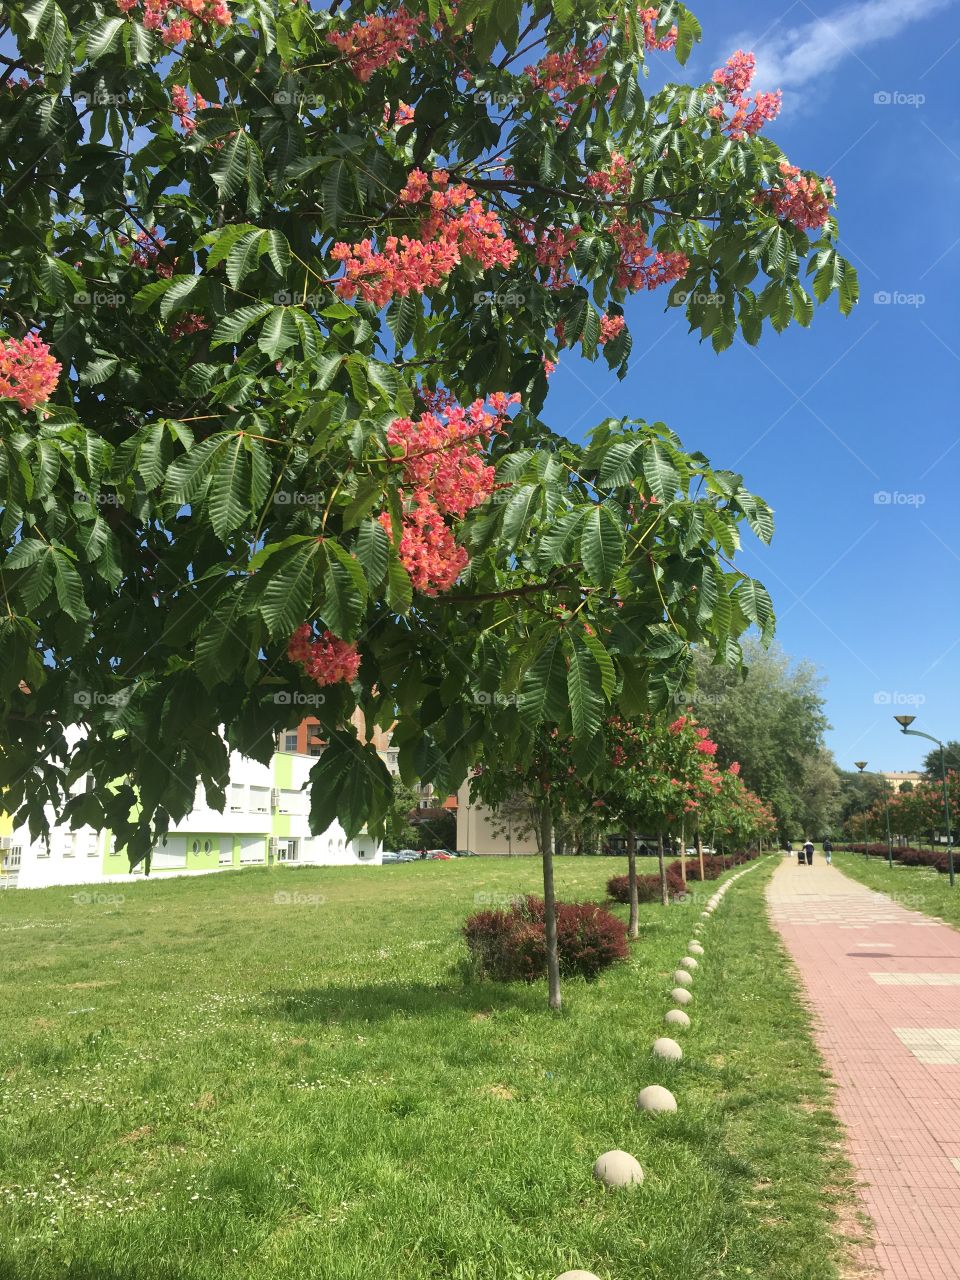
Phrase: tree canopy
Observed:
(282, 292)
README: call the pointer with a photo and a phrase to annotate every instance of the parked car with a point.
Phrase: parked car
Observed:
(466, 853)
(692, 851)
(439, 855)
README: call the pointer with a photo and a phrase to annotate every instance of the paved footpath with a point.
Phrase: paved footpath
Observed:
(884, 984)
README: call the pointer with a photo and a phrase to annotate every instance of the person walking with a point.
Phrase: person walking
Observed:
(789, 848)
(828, 851)
(808, 852)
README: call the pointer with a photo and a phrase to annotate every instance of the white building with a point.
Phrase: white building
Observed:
(265, 821)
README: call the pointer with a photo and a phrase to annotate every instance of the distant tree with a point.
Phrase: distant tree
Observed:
(399, 832)
(931, 761)
(771, 720)
(819, 794)
(860, 791)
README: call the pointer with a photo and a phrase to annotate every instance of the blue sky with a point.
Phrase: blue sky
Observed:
(822, 421)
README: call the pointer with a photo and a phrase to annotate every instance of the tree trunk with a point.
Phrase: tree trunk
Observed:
(664, 895)
(700, 854)
(549, 903)
(683, 852)
(633, 927)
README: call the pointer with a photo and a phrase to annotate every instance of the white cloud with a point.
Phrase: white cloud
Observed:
(791, 57)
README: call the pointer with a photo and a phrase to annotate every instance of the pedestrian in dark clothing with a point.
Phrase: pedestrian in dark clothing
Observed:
(789, 848)
(828, 851)
(808, 851)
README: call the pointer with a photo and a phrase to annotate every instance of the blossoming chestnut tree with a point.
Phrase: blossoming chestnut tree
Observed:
(282, 289)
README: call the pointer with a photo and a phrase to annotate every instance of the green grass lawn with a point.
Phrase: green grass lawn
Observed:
(918, 888)
(203, 1082)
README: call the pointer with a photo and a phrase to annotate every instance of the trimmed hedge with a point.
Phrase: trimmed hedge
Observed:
(511, 945)
(648, 887)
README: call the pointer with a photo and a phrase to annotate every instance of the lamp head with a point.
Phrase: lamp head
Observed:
(904, 721)
(861, 764)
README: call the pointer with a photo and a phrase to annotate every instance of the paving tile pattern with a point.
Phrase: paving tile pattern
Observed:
(887, 1021)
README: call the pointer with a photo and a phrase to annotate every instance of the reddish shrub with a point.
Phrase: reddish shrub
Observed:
(510, 946)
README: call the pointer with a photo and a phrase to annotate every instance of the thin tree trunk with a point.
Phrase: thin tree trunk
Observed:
(633, 927)
(700, 855)
(664, 895)
(683, 852)
(549, 903)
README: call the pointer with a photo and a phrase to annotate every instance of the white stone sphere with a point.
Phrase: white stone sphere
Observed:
(676, 1018)
(617, 1169)
(688, 962)
(682, 978)
(577, 1275)
(695, 948)
(655, 1098)
(667, 1049)
(680, 995)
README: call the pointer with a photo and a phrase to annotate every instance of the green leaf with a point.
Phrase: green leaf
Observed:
(336, 192)
(229, 492)
(584, 690)
(602, 546)
(102, 38)
(345, 591)
(233, 326)
(349, 784)
(402, 315)
(659, 472)
(373, 551)
(278, 333)
(68, 585)
(278, 249)
(399, 586)
(181, 287)
(543, 689)
(290, 593)
(244, 256)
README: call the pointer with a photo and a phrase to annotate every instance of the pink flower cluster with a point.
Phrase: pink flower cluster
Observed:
(703, 744)
(147, 248)
(611, 327)
(443, 461)
(456, 227)
(804, 201)
(399, 117)
(749, 114)
(618, 178)
(175, 21)
(381, 39)
(28, 372)
(180, 106)
(327, 659)
(560, 73)
(649, 19)
(552, 249)
(641, 267)
(192, 322)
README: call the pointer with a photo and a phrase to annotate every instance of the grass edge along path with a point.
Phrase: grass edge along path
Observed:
(916, 888)
(350, 1117)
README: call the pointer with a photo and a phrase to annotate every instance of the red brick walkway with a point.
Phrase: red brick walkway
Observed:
(884, 983)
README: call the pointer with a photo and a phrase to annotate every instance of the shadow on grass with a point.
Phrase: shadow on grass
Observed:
(380, 1002)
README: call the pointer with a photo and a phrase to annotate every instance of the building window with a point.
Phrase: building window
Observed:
(288, 851)
(11, 859)
(236, 798)
(260, 799)
(195, 847)
(289, 742)
(316, 748)
(226, 855)
(92, 843)
(207, 846)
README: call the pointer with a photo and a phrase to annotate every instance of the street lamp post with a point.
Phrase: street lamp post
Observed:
(861, 765)
(905, 722)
